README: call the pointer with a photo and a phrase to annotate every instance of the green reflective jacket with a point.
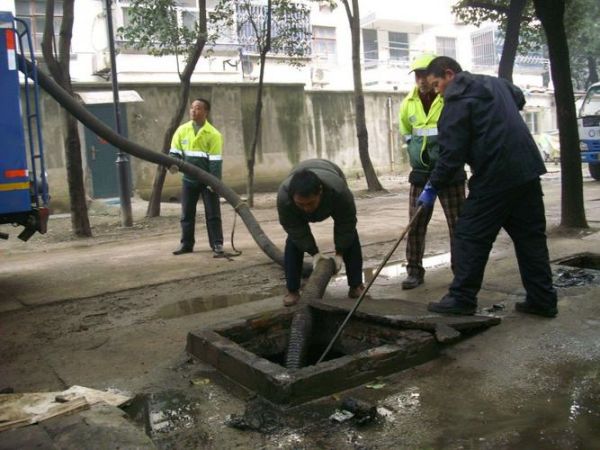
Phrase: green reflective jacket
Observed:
(203, 149)
(420, 131)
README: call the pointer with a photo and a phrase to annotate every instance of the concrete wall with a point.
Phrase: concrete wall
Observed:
(297, 125)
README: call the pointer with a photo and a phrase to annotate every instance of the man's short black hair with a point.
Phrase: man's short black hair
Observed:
(305, 184)
(438, 66)
(203, 100)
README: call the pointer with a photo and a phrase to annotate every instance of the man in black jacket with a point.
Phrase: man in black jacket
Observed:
(315, 190)
(481, 126)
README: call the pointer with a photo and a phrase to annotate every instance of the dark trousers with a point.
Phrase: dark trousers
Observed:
(294, 257)
(190, 193)
(520, 211)
(452, 199)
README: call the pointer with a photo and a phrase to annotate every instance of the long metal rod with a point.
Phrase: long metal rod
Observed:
(360, 299)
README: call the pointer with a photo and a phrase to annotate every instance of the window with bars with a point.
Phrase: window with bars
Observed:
(445, 46)
(484, 48)
(247, 35)
(531, 119)
(324, 45)
(398, 43)
(33, 12)
(370, 47)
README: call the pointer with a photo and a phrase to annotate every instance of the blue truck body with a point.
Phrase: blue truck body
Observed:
(589, 130)
(23, 184)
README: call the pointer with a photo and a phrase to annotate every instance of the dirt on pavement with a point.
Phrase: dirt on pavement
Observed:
(113, 311)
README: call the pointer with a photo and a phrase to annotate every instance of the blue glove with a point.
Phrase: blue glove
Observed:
(427, 197)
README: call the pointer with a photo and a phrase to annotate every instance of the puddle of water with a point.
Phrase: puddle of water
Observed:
(397, 269)
(567, 416)
(204, 304)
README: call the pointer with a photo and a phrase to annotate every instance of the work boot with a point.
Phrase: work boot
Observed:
(218, 250)
(183, 249)
(530, 308)
(291, 298)
(450, 305)
(355, 292)
(411, 282)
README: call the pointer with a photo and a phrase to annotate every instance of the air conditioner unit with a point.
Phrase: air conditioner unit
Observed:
(319, 76)
(101, 62)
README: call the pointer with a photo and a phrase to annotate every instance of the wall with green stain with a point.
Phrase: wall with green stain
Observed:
(296, 125)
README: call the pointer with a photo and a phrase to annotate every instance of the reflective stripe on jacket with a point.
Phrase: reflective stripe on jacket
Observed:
(203, 149)
(420, 130)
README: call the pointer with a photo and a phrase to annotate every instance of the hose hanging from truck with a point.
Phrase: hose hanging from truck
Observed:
(70, 104)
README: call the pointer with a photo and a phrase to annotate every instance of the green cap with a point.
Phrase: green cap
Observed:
(421, 62)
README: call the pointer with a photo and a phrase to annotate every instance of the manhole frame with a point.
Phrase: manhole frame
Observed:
(293, 387)
(561, 261)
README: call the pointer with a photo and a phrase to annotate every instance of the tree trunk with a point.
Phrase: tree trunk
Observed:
(80, 223)
(264, 49)
(511, 41)
(160, 174)
(362, 134)
(60, 71)
(184, 93)
(250, 162)
(551, 15)
(592, 70)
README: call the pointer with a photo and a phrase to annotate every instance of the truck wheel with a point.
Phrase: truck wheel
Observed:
(595, 171)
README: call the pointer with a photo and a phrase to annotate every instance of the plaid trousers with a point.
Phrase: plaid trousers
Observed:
(452, 198)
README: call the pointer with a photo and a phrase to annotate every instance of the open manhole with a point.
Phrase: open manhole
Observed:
(251, 351)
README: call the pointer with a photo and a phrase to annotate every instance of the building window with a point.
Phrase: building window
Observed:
(445, 46)
(247, 34)
(484, 48)
(370, 48)
(324, 46)
(34, 13)
(398, 43)
(324, 7)
(189, 19)
(531, 119)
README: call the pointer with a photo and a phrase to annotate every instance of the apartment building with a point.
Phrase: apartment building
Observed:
(310, 113)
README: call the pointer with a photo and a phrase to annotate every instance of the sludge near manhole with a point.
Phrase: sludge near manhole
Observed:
(251, 351)
(577, 270)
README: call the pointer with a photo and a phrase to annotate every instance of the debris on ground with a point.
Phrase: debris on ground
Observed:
(572, 277)
(495, 307)
(363, 412)
(18, 410)
(259, 416)
(341, 416)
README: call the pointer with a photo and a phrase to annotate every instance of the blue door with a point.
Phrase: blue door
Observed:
(101, 155)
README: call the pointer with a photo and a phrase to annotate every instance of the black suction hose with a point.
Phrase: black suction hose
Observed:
(302, 322)
(89, 120)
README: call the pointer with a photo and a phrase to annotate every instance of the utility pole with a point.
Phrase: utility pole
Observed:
(122, 161)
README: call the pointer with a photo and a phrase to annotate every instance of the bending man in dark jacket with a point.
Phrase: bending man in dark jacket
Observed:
(315, 190)
(481, 126)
